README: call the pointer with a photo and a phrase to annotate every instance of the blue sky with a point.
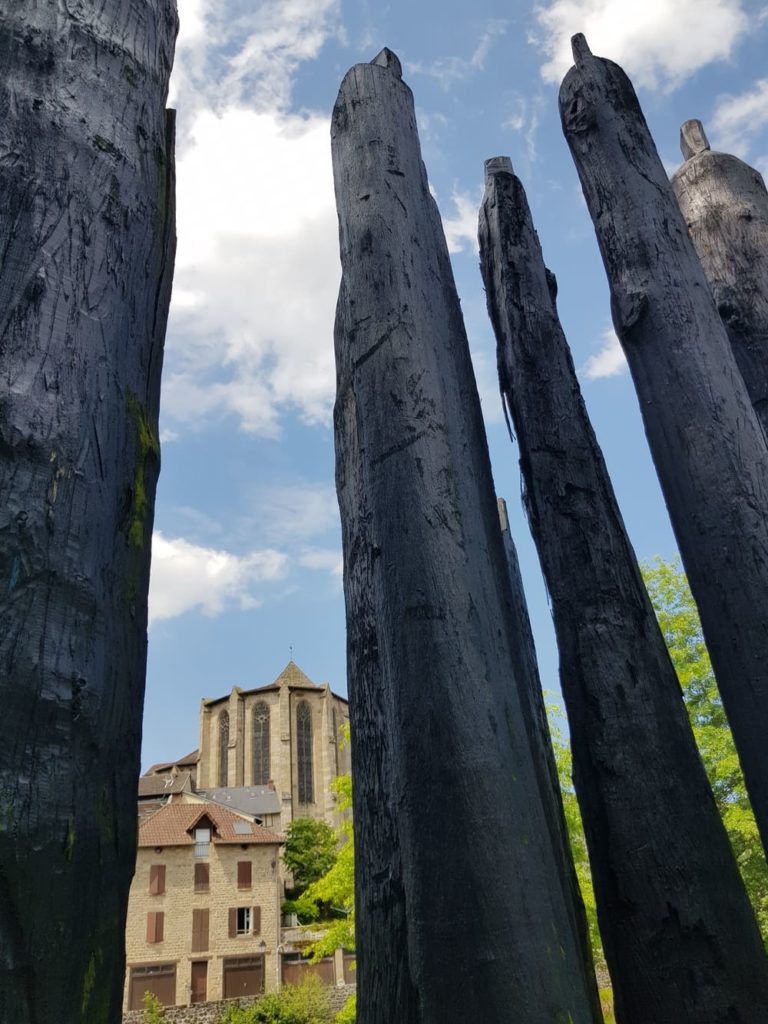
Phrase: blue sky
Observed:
(246, 554)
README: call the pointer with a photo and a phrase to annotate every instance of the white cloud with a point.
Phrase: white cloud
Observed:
(257, 271)
(461, 228)
(186, 576)
(323, 560)
(737, 120)
(449, 70)
(609, 361)
(659, 43)
(257, 267)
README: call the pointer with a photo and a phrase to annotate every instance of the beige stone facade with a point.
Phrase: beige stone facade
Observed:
(195, 927)
(266, 756)
(229, 747)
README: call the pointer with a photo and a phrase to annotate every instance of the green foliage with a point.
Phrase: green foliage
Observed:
(679, 621)
(348, 1013)
(309, 851)
(307, 1003)
(153, 1009)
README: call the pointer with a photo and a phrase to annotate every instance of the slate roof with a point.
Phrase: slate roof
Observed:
(162, 785)
(252, 800)
(291, 676)
(174, 824)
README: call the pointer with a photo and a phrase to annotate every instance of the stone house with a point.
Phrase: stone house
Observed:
(204, 907)
(266, 756)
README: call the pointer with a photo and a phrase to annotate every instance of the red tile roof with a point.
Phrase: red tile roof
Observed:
(183, 762)
(174, 824)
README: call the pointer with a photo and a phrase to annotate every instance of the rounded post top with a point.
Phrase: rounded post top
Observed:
(497, 165)
(693, 139)
(386, 58)
(580, 48)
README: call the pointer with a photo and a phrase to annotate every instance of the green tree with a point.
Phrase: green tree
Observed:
(307, 1003)
(309, 851)
(679, 621)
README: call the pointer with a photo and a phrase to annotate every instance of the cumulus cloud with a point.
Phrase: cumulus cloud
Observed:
(609, 361)
(461, 226)
(738, 120)
(186, 576)
(257, 268)
(659, 44)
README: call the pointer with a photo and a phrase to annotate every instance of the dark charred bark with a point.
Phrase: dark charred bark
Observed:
(526, 673)
(87, 243)
(680, 937)
(725, 205)
(705, 438)
(465, 918)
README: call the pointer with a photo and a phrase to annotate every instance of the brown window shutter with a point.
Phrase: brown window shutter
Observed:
(243, 874)
(155, 926)
(199, 931)
(232, 922)
(256, 920)
(201, 877)
(156, 879)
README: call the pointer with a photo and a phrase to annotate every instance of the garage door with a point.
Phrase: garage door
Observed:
(296, 969)
(243, 976)
(159, 979)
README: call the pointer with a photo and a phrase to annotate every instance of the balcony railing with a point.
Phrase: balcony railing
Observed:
(202, 849)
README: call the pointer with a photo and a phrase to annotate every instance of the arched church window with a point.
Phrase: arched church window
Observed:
(304, 752)
(335, 720)
(261, 774)
(224, 748)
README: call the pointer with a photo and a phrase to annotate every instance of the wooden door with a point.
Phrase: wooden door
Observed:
(199, 981)
(159, 979)
(243, 976)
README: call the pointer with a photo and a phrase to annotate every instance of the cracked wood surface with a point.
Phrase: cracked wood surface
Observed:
(87, 242)
(725, 205)
(679, 934)
(706, 440)
(460, 914)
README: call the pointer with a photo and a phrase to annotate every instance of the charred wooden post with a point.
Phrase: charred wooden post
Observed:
(457, 928)
(87, 236)
(680, 936)
(706, 440)
(526, 673)
(725, 205)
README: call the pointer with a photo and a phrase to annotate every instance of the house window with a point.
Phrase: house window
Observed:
(155, 922)
(224, 748)
(304, 752)
(156, 879)
(202, 842)
(202, 877)
(244, 921)
(243, 874)
(261, 773)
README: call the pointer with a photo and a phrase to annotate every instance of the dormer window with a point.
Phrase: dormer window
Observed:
(202, 842)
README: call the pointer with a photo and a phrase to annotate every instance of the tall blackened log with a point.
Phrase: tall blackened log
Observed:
(706, 440)
(465, 916)
(725, 205)
(87, 241)
(526, 673)
(679, 934)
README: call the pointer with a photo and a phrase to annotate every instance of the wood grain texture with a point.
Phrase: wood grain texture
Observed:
(87, 242)
(460, 914)
(705, 438)
(526, 674)
(725, 205)
(680, 937)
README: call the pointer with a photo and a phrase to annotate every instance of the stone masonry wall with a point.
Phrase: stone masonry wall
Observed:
(209, 1013)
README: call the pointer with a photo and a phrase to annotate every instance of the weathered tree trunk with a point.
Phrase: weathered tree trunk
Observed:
(680, 937)
(725, 205)
(465, 918)
(526, 673)
(87, 242)
(706, 440)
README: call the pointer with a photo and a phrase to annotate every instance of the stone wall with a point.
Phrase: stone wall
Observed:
(209, 1013)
